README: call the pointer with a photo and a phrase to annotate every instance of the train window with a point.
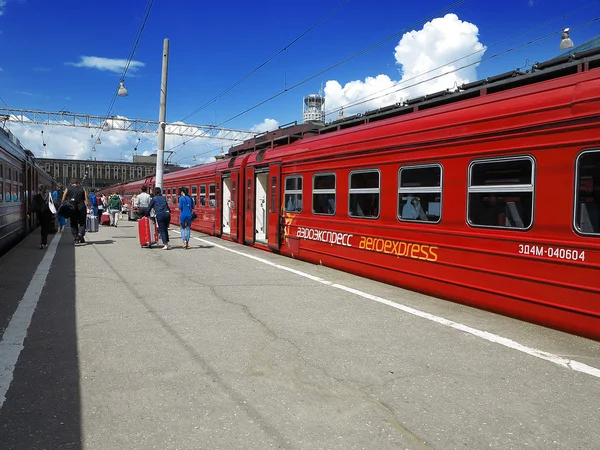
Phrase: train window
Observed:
(202, 195)
(7, 190)
(587, 193)
(501, 193)
(364, 194)
(195, 195)
(323, 198)
(293, 194)
(212, 198)
(420, 193)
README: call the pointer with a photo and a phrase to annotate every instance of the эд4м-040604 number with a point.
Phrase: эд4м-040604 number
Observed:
(552, 252)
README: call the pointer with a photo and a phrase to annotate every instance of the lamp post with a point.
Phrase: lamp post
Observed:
(162, 116)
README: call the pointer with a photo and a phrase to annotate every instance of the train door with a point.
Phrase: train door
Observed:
(274, 206)
(261, 180)
(212, 202)
(225, 204)
(233, 206)
(249, 213)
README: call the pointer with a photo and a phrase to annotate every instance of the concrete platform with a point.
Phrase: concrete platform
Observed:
(112, 346)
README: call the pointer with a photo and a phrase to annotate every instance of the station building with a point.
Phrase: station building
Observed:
(102, 174)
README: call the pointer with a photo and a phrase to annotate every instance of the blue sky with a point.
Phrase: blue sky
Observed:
(58, 56)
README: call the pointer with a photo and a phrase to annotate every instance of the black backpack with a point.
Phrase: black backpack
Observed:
(37, 203)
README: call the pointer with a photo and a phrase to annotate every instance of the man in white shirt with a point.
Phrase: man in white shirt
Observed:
(142, 201)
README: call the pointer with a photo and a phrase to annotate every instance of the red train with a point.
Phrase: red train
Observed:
(20, 176)
(488, 196)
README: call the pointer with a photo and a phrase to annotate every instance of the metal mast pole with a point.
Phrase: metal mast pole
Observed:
(162, 115)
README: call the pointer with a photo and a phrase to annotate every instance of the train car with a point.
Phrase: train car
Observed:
(20, 176)
(126, 191)
(488, 196)
(200, 181)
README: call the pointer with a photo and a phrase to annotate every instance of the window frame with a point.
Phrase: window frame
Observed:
(365, 191)
(293, 192)
(421, 190)
(202, 195)
(212, 195)
(324, 192)
(576, 194)
(194, 194)
(515, 188)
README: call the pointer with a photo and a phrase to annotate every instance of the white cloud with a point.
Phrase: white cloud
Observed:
(266, 125)
(112, 65)
(2, 5)
(424, 56)
(28, 94)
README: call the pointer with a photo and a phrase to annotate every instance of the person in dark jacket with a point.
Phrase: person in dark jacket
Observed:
(79, 196)
(40, 206)
(163, 215)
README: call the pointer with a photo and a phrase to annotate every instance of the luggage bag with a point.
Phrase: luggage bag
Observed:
(91, 224)
(148, 232)
(105, 219)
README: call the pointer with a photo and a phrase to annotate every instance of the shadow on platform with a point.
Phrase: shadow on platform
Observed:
(42, 409)
(107, 241)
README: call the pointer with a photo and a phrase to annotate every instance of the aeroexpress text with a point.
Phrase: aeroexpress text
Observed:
(330, 237)
(399, 248)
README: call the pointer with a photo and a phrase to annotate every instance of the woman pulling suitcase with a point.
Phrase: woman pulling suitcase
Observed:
(163, 215)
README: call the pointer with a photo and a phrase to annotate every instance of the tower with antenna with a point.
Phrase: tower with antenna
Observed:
(313, 108)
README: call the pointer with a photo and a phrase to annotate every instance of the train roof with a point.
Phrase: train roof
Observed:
(554, 68)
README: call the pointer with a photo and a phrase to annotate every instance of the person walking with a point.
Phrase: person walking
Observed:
(57, 196)
(94, 203)
(101, 201)
(78, 195)
(158, 204)
(114, 208)
(40, 206)
(186, 206)
(142, 201)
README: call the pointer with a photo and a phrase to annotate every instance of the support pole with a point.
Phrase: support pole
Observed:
(162, 116)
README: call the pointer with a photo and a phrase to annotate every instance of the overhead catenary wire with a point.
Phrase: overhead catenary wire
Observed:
(241, 80)
(20, 119)
(350, 58)
(370, 97)
(43, 149)
(138, 36)
(533, 41)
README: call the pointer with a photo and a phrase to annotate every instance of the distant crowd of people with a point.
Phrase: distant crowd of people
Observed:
(75, 203)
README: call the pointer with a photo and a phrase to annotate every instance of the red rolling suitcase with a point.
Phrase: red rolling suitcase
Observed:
(148, 232)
